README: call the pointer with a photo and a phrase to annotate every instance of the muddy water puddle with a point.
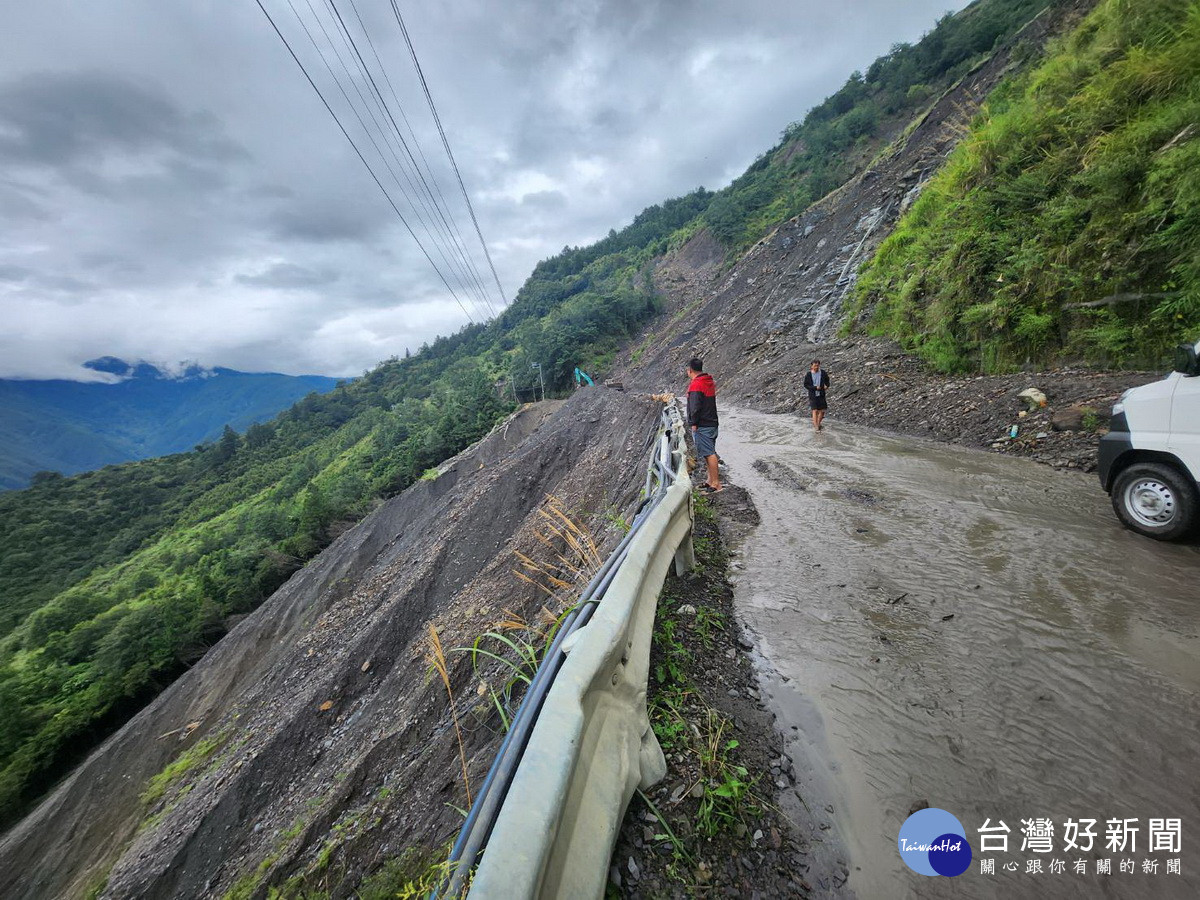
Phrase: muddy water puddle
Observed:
(978, 633)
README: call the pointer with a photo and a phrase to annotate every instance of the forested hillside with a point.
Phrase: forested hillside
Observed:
(114, 582)
(1067, 223)
(839, 136)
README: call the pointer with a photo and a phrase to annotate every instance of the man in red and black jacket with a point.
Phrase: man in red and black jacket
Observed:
(702, 417)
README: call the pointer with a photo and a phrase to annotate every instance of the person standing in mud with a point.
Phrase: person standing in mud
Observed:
(816, 381)
(702, 417)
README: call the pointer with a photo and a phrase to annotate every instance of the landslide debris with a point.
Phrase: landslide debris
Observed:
(313, 744)
(757, 323)
(879, 385)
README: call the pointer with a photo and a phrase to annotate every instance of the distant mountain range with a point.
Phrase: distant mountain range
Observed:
(141, 410)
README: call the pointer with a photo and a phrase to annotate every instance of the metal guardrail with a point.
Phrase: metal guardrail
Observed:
(581, 743)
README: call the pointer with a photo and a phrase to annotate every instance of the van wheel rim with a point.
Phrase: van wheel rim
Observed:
(1151, 503)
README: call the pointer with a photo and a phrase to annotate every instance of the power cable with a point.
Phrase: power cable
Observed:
(428, 168)
(446, 143)
(440, 246)
(449, 229)
(360, 155)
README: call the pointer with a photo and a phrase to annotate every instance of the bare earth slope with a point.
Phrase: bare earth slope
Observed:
(758, 324)
(320, 743)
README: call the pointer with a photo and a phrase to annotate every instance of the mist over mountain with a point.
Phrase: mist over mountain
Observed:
(135, 410)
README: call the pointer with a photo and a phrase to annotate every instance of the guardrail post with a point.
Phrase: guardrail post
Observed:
(685, 556)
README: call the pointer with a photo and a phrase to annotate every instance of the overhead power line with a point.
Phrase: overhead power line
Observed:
(440, 203)
(398, 158)
(448, 231)
(438, 238)
(445, 143)
(359, 152)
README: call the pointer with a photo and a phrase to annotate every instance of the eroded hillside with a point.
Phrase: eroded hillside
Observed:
(790, 289)
(314, 742)
(759, 321)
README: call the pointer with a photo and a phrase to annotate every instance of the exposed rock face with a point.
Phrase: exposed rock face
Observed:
(325, 729)
(759, 323)
(790, 288)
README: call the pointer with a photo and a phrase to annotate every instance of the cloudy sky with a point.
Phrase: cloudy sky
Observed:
(172, 188)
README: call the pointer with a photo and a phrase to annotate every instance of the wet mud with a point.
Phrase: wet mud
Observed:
(973, 632)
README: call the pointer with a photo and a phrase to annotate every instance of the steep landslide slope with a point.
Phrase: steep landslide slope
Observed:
(758, 323)
(312, 741)
(789, 289)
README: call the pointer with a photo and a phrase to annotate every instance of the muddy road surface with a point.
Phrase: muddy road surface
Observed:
(976, 633)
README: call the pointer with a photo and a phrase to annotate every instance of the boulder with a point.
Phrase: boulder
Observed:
(1078, 418)
(1069, 419)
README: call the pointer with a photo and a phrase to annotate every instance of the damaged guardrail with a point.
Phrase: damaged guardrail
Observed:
(552, 803)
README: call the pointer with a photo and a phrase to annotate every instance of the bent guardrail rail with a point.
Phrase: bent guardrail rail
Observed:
(581, 743)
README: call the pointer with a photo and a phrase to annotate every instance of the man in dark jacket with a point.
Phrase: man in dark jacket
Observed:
(702, 417)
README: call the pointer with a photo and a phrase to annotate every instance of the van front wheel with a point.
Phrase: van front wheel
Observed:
(1155, 500)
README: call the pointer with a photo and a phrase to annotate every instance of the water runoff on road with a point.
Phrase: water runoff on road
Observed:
(978, 633)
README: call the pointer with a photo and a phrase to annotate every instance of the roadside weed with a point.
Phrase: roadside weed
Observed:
(438, 662)
(675, 655)
(708, 623)
(726, 784)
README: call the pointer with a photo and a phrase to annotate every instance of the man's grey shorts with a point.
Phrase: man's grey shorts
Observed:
(706, 441)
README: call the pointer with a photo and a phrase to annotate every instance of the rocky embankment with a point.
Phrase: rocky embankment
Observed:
(316, 742)
(758, 322)
(1058, 415)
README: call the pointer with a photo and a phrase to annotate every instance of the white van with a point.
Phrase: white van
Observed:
(1150, 459)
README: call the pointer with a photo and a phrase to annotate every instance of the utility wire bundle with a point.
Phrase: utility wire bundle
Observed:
(358, 93)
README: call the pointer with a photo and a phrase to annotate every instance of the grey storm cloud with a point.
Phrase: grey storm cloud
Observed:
(545, 200)
(55, 118)
(327, 220)
(288, 275)
(172, 188)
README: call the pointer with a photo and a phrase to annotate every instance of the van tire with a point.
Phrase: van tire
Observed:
(1155, 500)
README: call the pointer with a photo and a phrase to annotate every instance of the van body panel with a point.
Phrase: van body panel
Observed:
(1184, 440)
(1148, 410)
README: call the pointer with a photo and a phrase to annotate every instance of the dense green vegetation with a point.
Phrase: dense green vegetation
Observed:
(112, 583)
(577, 307)
(115, 581)
(837, 137)
(1079, 183)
